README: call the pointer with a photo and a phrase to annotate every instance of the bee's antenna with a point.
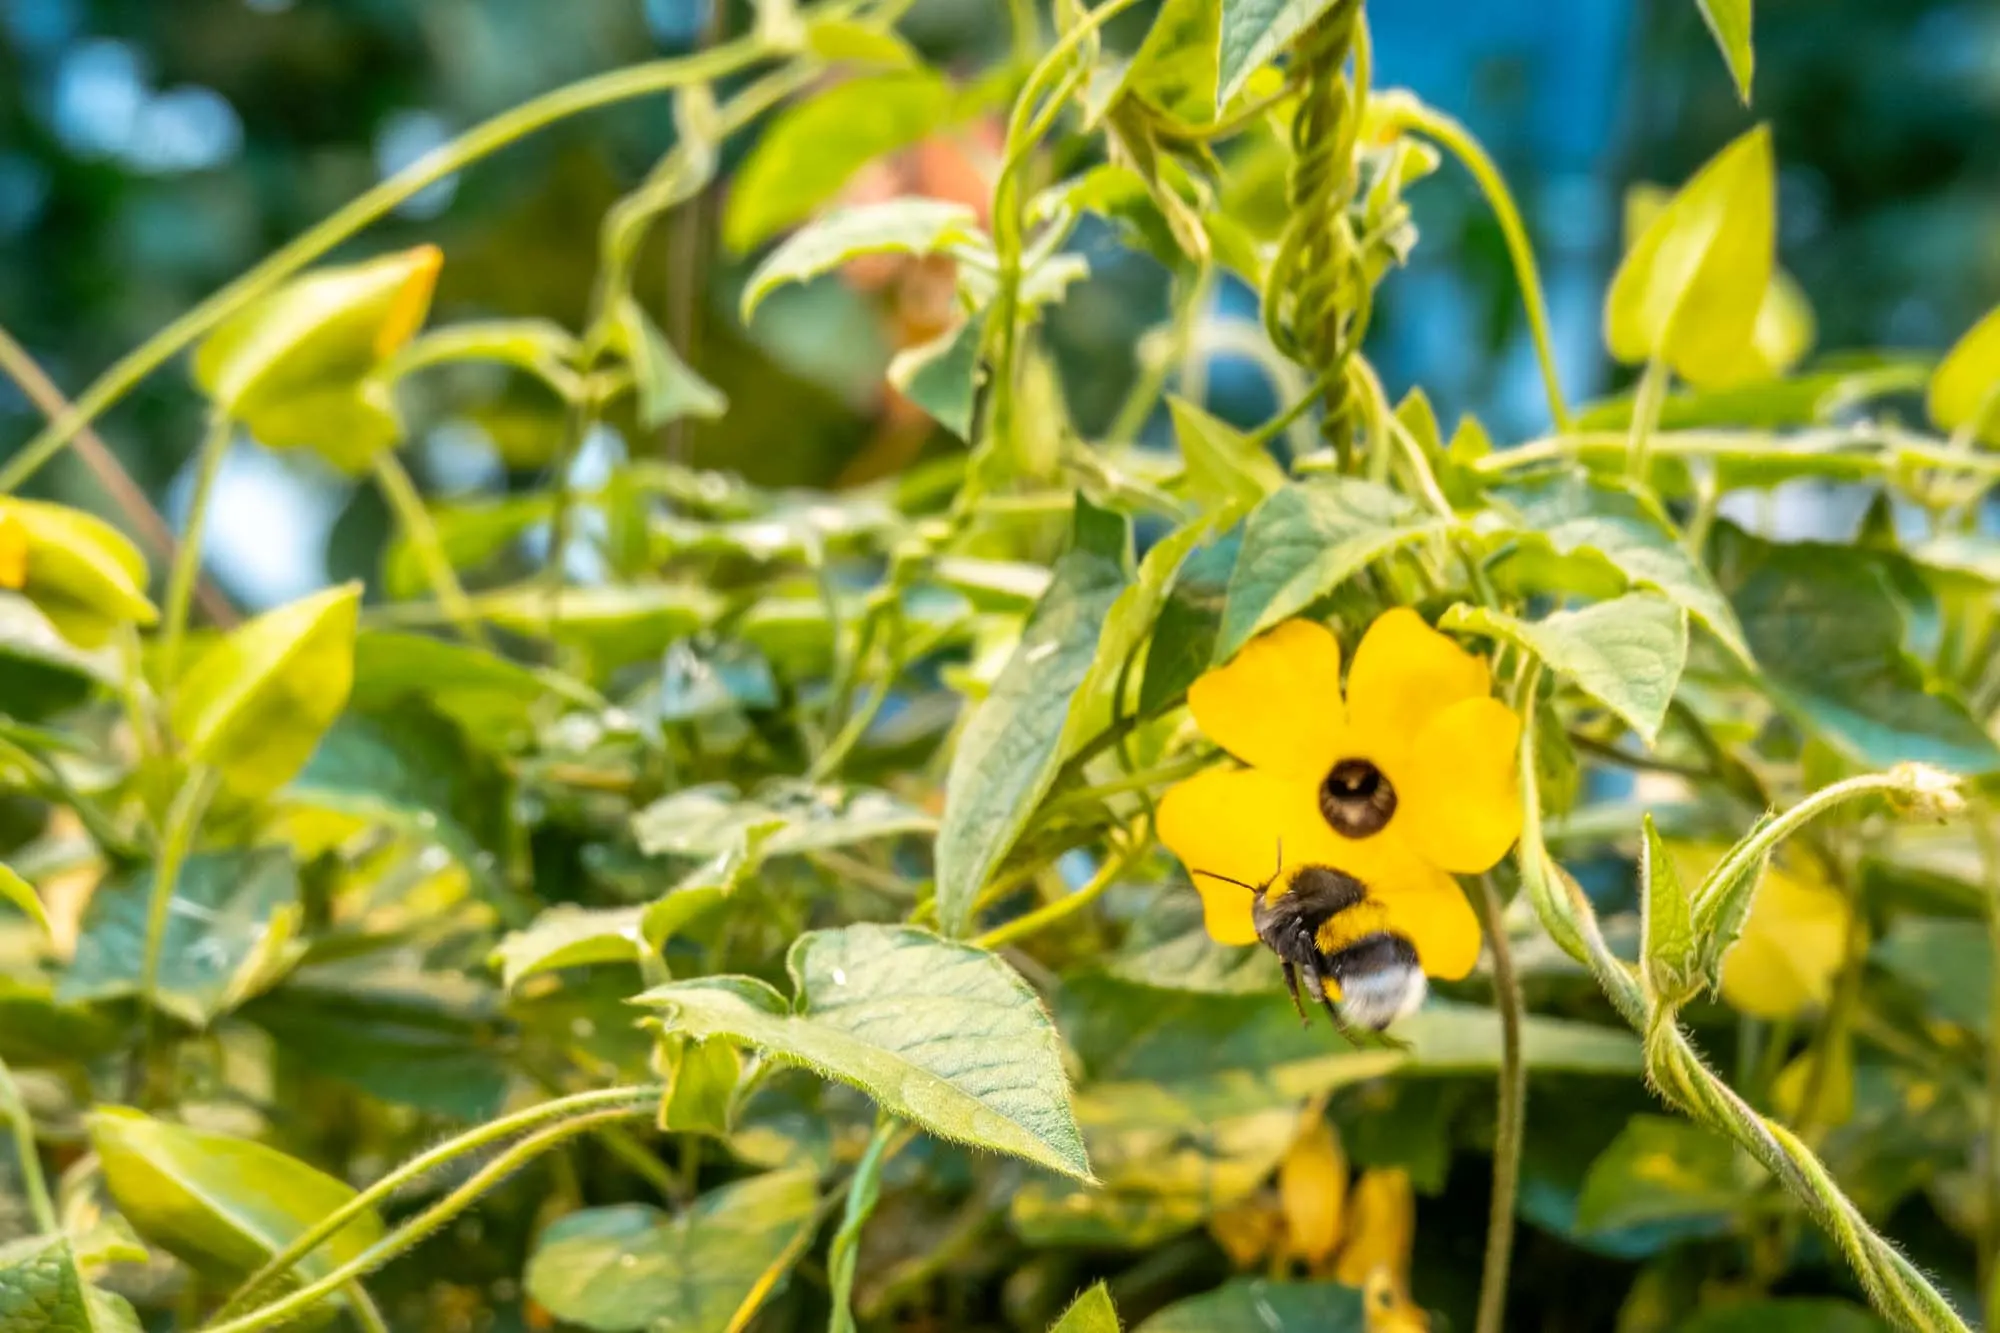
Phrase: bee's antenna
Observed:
(1227, 880)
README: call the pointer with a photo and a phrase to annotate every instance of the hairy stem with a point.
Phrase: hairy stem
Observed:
(1070, 903)
(1510, 1119)
(1892, 1284)
(624, 1101)
(413, 1232)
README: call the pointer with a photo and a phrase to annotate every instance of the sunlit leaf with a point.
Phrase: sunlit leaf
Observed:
(1689, 290)
(1729, 21)
(1091, 1312)
(256, 703)
(632, 1267)
(1223, 464)
(1627, 653)
(1009, 751)
(809, 151)
(297, 366)
(1965, 389)
(1254, 31)
(1177, 67)
(942, 1034)
(222, 1204)
(942, 376)
(1667, 946)
(895, 226)
(22, 894)
(83, 574)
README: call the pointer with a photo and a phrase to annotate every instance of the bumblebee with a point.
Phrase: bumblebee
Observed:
(1324, 926)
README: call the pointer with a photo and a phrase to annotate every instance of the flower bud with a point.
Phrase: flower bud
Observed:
(1312, 1188)
(1927, 792)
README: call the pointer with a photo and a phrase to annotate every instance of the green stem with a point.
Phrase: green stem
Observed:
(1893, 1286)
(362, 1306)
(1510, 1119)
(607, 1099)
(186, 572)
(1066, 906)
(862, 1193)
(177, 834)
(417, 1229)
(30, 1156)
(1886, 449)
(1647, 404)
(1144, 780)
(1461, 144)
(538, 113)
(422, 534)
(1989, 1250)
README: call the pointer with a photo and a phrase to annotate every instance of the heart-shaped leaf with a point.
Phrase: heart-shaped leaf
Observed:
(939, 1033)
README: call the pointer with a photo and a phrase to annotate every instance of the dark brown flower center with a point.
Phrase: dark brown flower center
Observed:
(1356, 798)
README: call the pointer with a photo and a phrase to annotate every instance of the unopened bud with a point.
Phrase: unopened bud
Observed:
(1927, 792)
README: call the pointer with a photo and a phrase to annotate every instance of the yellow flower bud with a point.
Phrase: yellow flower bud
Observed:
(1312, 1187)
(1381, 1226)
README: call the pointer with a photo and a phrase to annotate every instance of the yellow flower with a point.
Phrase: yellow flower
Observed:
(1381, 1228)
(1408, 780)
(1792, 943)
(1312, 1189)
(13, 553)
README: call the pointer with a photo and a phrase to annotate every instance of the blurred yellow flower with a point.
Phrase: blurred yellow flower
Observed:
(1408, 779)
(1793, 939)
(1312, 1190)
(13, 553)
(1381, 1227)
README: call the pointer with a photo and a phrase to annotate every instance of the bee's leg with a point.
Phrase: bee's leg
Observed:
(1292, 985)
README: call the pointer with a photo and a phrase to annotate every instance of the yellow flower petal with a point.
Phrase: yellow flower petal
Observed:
(1312, 1187)
(1381, 1227)
(1234, 823)
(1431, 909)
(1277, 705)
(1405, 673)
(1458, 795)
(13, 553)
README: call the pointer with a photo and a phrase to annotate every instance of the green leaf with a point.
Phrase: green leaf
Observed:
(702, 1078)
(1223, 465)
(570, 936)
(430, 1040)
(255, 704)
(1184, 636)
(1305, 541)
(908, 226)
(668, 387)
(404, 766)
(1815, 398)
(1793, 1314)
(1091, 1312)
(1627, 653)
(83, 574)
(1729, 21)
(1826, 627)
(538, 347)
(713, 819)
(22, 894)
(298, 366)
(1667, 944)
(1689, 291)
(1722, 904)
(939, 1033)
(808, 151)
(1125, 628)
(1259, 1305)
(1255, 31)
(1177, 68)
(1949, 963)
(41, 672)
(942, 375)
(231, 932)
(1661, 1171)
(487, 695)
(43, 1291)
(1011, 748)
(1964, 387)
(224, 1205)
(1589, 521)
(864, 1191)
(632, 1268)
